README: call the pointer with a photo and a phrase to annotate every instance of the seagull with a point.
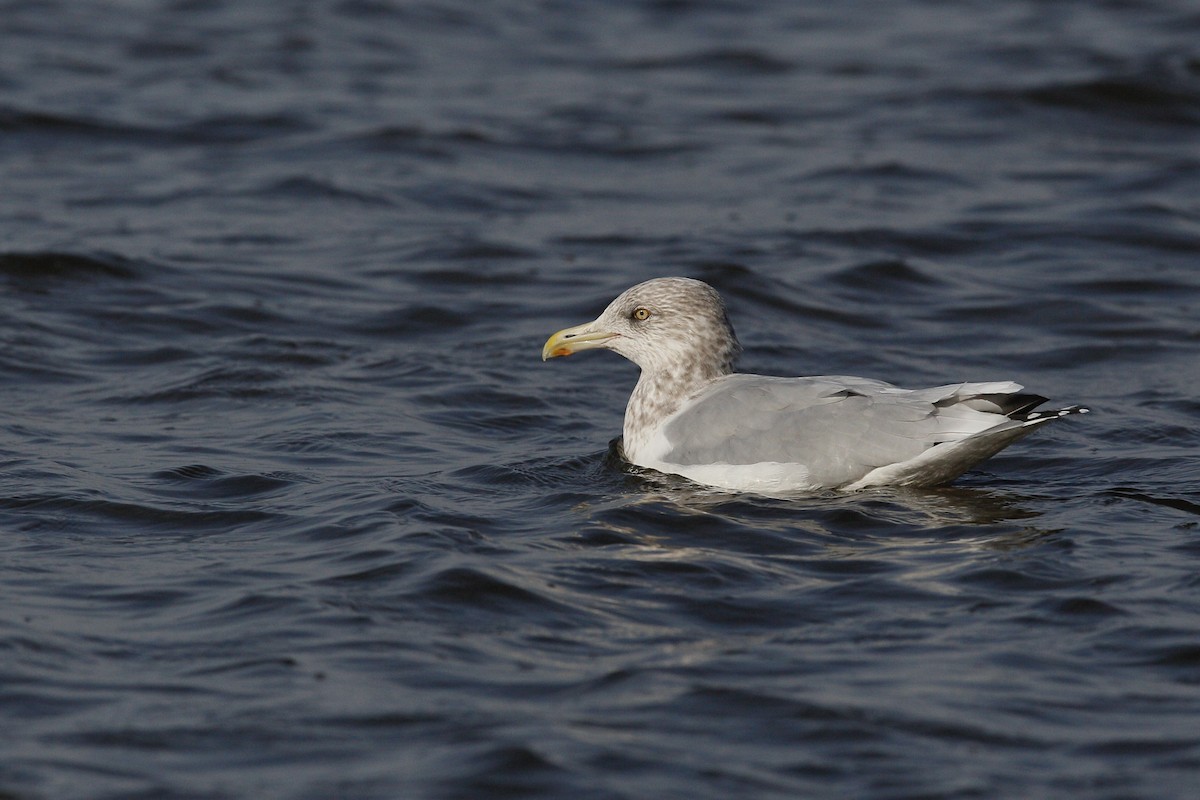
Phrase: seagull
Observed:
(691, 415)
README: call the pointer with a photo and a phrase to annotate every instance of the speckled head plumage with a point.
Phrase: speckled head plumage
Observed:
(666, 325)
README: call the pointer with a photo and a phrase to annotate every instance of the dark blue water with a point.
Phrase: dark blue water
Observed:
(290, 508)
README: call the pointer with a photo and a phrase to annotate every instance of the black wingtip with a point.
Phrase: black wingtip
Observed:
(1044, 416)
(1020, 406)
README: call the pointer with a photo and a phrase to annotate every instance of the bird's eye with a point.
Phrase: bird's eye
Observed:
(641, 313)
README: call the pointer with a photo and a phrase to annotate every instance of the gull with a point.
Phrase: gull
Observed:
(691, 415)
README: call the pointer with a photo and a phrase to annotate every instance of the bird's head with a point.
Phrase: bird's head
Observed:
(665, 324)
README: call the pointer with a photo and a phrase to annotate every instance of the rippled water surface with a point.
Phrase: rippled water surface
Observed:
(290, 508)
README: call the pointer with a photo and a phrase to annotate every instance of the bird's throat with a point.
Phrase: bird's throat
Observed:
(656, 397)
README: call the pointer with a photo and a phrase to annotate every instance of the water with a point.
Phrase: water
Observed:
(291, 509)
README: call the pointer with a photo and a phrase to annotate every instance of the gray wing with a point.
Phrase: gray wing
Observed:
(839, 428)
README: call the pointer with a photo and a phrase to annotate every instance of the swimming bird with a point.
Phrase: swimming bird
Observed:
(690, 414)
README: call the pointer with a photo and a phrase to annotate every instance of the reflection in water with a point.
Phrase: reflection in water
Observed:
(904, 507)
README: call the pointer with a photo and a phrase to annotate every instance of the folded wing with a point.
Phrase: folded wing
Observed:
(840, 430)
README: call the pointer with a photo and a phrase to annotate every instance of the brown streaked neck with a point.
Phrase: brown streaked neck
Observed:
(660, 394)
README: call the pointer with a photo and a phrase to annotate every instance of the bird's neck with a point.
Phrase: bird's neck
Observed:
(658, 395)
